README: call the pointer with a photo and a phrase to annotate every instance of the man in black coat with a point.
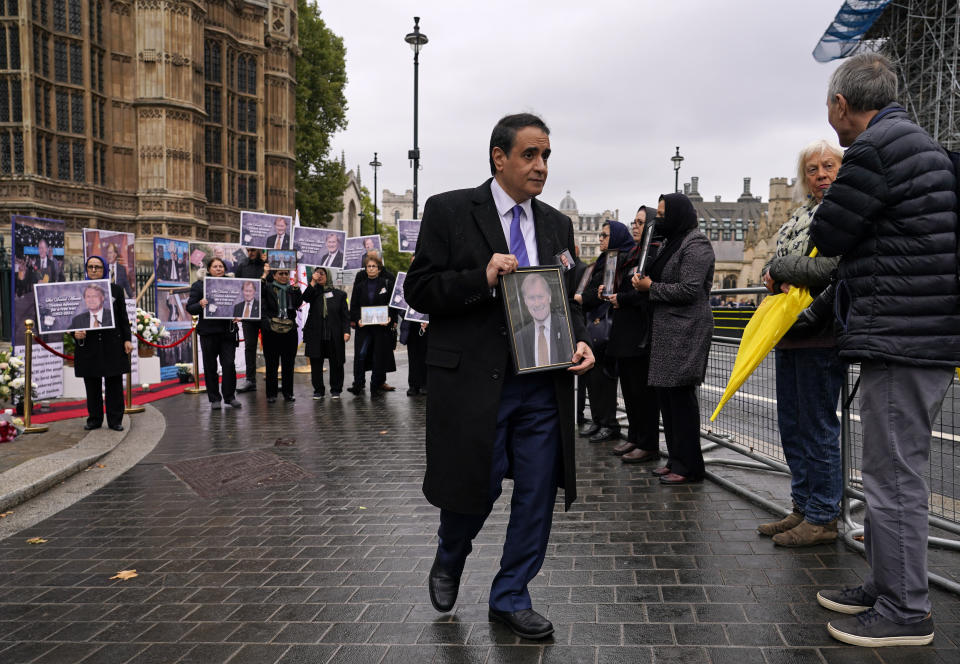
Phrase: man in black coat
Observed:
(250, 268)
(890, 216)
(483, 421)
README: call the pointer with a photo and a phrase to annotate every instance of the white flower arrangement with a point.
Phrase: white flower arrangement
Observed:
(12, 380)
(149, 326)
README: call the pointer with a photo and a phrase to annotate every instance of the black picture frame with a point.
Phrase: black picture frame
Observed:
(521, 304)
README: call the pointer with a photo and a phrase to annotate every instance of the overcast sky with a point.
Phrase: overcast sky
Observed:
(620, 84)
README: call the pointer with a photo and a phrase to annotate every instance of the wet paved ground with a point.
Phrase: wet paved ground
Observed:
(333, 568)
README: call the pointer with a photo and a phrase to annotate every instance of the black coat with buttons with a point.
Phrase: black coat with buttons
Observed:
(468, 353)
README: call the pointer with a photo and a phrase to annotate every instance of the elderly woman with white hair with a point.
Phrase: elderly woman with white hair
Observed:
(809, 371)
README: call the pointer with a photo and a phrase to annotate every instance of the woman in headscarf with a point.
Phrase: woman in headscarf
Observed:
(217, 342)
(326, 331)
(630, 347)
(278, 319)
(809, 370)
(373, 344)
(615, 241)
(679, 285)
(102, 356)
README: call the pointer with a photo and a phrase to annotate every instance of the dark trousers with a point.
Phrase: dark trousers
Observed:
(113, 386)
(214, 347)
(279, 350)
(251, 329)
(528, 440)
(681, 428)
(640, 400)
(372, 344)
(336, 374)
(417, 358)
(603, 394)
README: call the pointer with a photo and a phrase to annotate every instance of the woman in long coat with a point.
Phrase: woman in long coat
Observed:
(280, 299)
(217, 341)
(679, 284)
(102, 356)
(326, 331)
(373, 344)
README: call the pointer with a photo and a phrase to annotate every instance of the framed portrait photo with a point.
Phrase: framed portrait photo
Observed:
(73, 306)
(538, 316)
(229, 298)
(375, 315)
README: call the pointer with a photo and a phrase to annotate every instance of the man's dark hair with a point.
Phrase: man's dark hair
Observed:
(505, 133)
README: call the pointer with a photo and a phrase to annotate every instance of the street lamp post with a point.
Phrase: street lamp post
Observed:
(417, 40)
(676, 159)
(375, 164)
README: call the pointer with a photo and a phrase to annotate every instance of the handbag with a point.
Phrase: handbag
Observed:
(599, 324)
(281, 325)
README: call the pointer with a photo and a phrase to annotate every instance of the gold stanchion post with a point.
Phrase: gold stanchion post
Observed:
(28, 383)
(130, 408)
(196, 389)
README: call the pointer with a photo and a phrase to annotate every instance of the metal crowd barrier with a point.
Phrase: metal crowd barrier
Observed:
(748, 425)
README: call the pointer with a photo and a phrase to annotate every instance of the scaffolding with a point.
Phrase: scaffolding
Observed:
(922, 37)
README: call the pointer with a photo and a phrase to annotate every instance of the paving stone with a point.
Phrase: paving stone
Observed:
(330, 565)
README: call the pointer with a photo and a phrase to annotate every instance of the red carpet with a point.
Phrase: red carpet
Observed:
(64, 410)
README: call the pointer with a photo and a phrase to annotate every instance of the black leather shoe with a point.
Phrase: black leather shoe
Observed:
(271, 399)
(526, 623)
(443, 588)
(289, 398)
(413, 391)
(247, 387)
(587, 429)
(90, 427)
(604, 434)
(116, 427)
(355, 389)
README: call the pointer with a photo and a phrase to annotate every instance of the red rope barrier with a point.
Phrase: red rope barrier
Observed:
(175, 343)
(58, 354)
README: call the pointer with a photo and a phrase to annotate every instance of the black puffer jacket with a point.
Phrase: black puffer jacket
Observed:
(890, 215)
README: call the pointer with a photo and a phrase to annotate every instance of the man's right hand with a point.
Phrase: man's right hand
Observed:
(500, 264)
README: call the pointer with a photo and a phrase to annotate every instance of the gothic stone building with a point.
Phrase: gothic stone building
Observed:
(157, 117)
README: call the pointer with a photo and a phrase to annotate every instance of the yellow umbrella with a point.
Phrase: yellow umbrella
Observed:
(775, 315)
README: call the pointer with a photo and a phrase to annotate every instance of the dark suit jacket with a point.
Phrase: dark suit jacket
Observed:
(468, 353)
(123, 281)
(254, 310)
(52, 271)
(82, 320)
(272, 240)
(560, 350)
(337, 261)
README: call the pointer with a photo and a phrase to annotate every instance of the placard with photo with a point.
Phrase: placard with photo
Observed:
(117, 249)
(565, 260)
(38, 253)
(610, 273)
(408, 230)
(356, 248)
(538, 314)
(397, 298)
(266, 231)
(172, 307)
(73, 306)
(170, 260)
(282, 259)
(375, 315)
(200, 252)
(319, 246)
(229, 298)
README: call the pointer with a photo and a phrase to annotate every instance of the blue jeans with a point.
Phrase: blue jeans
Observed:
(809, 381)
